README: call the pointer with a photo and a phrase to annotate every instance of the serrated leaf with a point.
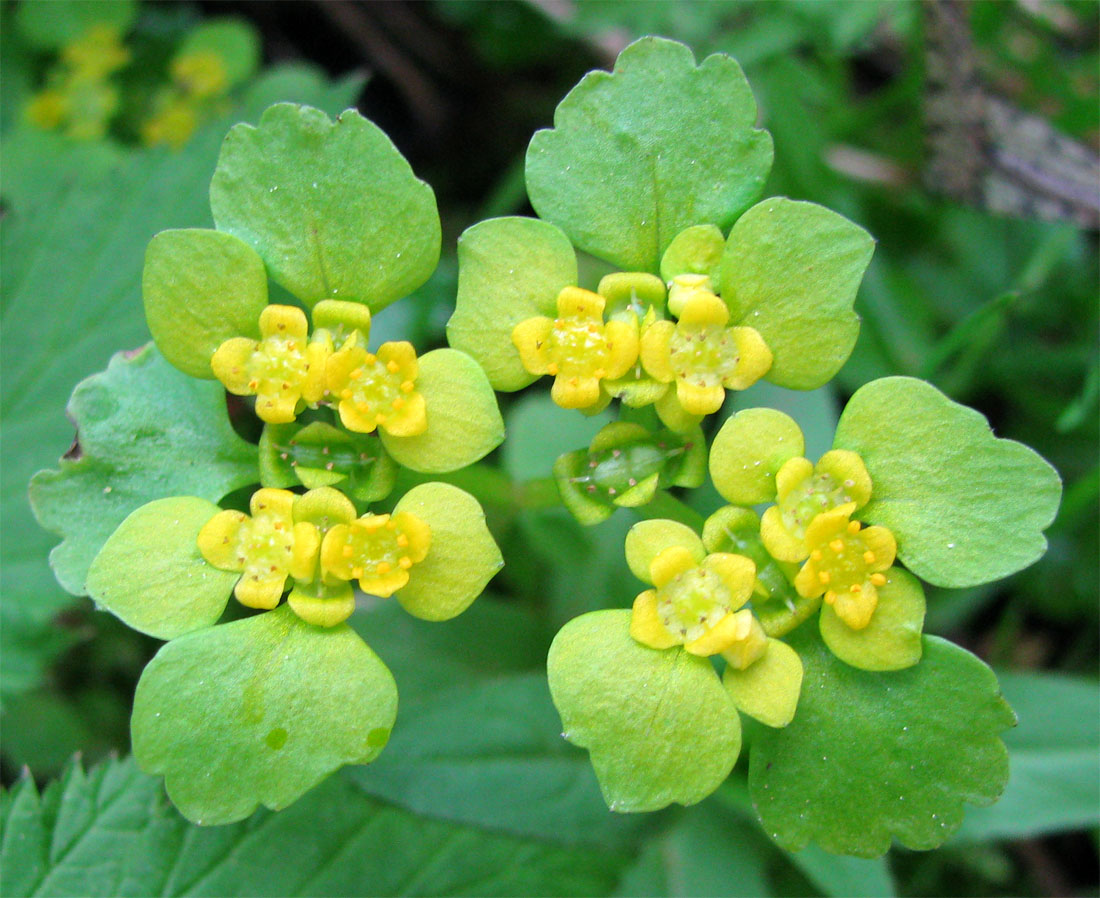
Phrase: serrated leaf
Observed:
(638, 155)
(111, 833)
(875, 757)
(509, 270)
(966, 507)
(791, 271)
(145, 431)
(259, 711)
(332, 208)
(658, 725)
(464, 422)
(151, 575)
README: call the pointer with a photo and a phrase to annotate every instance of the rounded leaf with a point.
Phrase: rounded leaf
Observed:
(768, 689)
(648, 539)
(258, 712)
(464, 422)
(657, 723)
(749, 450)
(333, 208)
(509, 270)
(463, 556)
(791, 271)
(151, 575)
(892, 640)
(201, 288)
(965, 507)
(638, 155)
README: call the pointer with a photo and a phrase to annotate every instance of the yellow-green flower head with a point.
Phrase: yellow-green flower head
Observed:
(701, 354)
(804, 491)
(96, 54)
(281, 369)
(577, 347)
(265, 549)
(846, 564)
(47, 109)
(377, 390)
(377, 550)
(173, 122)
(200, 74)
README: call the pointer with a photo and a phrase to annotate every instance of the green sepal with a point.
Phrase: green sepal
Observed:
(658, 725)
(673, 415)
(791, 271)
(50, 26)
(689, 468)
(769, 688)
(632, 292)
(144, 429)
(749, 450)
(509, 270)
(333, 208)
(151, 575)
(200, 288)
(695, 250)
(464, 422)
(892, 640)
(463, 556)
(638, 155)
(233, 41)
(966, 507)
(648, 539)
(293, 454)
(570, 472)
(776, 603)
(341, 319)
(875, 757)
(257, 712)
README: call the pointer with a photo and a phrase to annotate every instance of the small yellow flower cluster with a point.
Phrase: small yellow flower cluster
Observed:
(199, 80)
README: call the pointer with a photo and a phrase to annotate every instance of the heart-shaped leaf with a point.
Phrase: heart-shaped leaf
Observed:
(640, 154)
(258, 712)
(333, 208)
(658, 724)
(965, 507)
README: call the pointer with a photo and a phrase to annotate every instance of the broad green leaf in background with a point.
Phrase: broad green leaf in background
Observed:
(464, 422)
(490, 754)
(1053, 779)
(145, 431)
(332, 207)
(151, 575)
(873, 757)
(539, 430)
(509, 270)
(51, 25)
(638, 155)
(658, 725)
(200, 288)
(965, 507)
(110, 832)
(791, 271)
(259, 711)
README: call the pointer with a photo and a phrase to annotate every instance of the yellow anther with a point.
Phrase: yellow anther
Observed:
(370, 358)
(390, 525)
(878, 579)
(402, 540)
(552, 369)
(291, 345)
(868, 557)
(559, 325)
(405, 562)
(600, 373)
(824, 576)
(356, 572)
(363, 406)
(853, 526)
(384, 567)
(252, 384)
(830, 597)
(345, 394)
(356, 373)
(392, 366)
(398, 403)
(347, 551)
(816, 555)
(855, 588)
(407, 386)
(381, 419)
(837, 545)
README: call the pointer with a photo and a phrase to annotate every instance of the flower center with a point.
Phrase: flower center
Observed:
(377, 388)
(816, 494)
(844, 563)
(264, 547)
(578, 348)
(373, 546)
(693, 602)
(703, 355)
(278, 365)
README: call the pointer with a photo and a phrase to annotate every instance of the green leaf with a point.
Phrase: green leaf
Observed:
(648, 539)
(749, 450)
(144, 431)
(509, 270)
(52, 25)
(332, 208)
(1054, 781)
(638, 155)
(110, 832)
(658, 724)
(540, 430)
(464, 422)
(696, 250)
(201, 288)
(875, 757)
(512, 772)
(791, 270)
(233, 41)
(965, 507)
(151, 575)
(462, 558)
(258, 712)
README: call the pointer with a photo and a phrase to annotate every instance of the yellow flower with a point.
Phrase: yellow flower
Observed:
(577, 347)
(173, 123)
(377, 390)
(265, 548)
(200, 75)
(282, 369)
(95, 54)
(701, 354)
(699, 606)
(846, 564)
(377, 550)
(803, 491)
